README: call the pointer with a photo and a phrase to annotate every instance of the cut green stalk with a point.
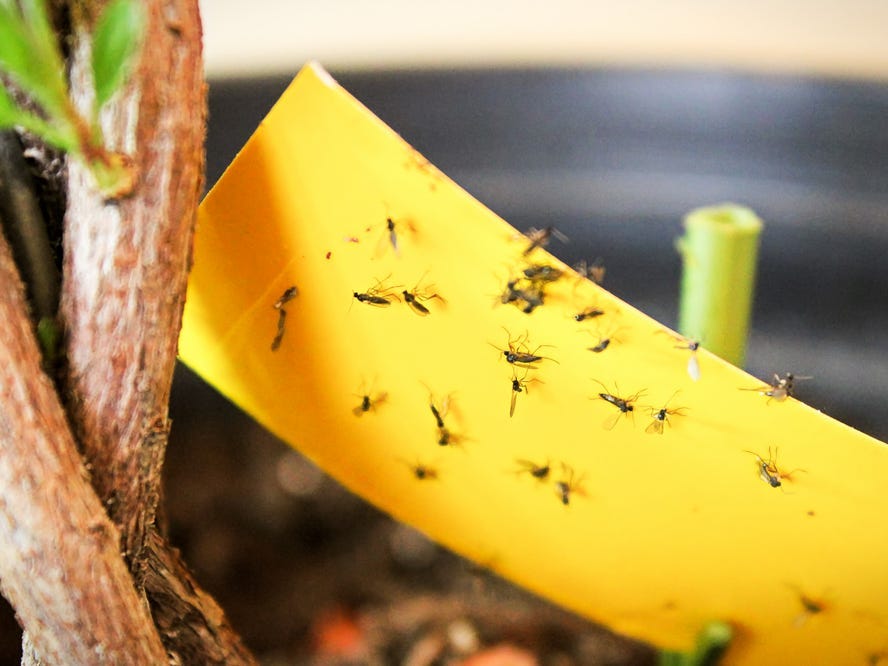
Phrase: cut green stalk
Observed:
(712, 642)
(719, 251)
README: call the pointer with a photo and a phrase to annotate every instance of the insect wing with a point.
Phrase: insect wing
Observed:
(512, 404)
(379, 399)
(694, 367)
(611, 421)
(768, 477)
(597, 272)
(539, 472)
(528, 358)
(779, 393)
(388, 238)
(393, 236)
(655, 427)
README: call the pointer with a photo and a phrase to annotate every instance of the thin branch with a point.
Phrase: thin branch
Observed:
(60, 565)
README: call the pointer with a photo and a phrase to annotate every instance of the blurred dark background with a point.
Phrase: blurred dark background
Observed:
(614, 158)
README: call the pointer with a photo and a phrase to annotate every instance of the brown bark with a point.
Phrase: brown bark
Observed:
(124, 277)
(191, 623)
(60, 564)
(125, 272)
(126, 265)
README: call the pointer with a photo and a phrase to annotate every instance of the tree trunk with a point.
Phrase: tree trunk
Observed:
(60, 564)
(124, 276)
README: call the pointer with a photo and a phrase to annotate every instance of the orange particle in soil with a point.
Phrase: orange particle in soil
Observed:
(501, 655)
(336, 632)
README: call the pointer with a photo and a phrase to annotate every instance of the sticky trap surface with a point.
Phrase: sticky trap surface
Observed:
(413, 363)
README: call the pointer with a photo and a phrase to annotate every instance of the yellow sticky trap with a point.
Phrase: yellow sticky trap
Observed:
(652, 531)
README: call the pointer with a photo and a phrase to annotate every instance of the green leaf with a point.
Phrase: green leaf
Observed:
(30, 56)
(49, 335)
(8, 109)
(59, 134)
(117, 38)
(15, 47)
(37, 18)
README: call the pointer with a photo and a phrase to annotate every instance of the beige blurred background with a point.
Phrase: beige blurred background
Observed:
(833, 37)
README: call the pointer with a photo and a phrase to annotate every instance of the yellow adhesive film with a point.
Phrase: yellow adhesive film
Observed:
(372, 314)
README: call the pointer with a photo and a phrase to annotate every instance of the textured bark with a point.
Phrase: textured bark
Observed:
(190, 622)
(60, 565)
(126, 264)
(124, 278)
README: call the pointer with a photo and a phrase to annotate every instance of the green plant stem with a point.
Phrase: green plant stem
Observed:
(712, 642)
(719, 249)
